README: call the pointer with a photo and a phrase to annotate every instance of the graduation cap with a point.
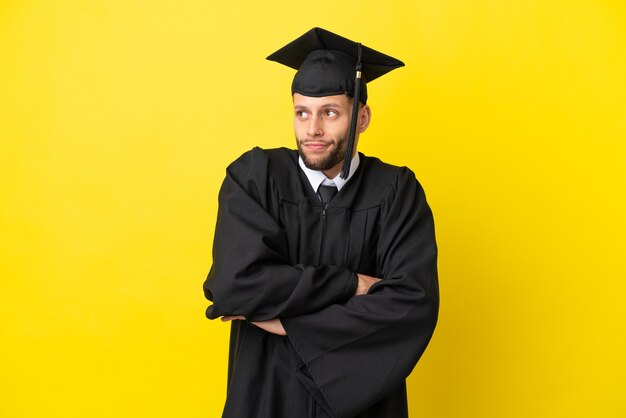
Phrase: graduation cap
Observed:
(329, 64)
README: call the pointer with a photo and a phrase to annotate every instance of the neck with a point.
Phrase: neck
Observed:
(332, 172)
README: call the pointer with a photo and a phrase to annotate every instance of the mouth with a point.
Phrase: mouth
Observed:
(316, 146)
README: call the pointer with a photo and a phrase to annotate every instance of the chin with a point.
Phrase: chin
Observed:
(314, 164)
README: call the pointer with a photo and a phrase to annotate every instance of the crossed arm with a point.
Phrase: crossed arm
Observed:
(275, 326)
(330, 330)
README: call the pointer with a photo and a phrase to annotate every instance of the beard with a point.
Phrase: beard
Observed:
(324, 162)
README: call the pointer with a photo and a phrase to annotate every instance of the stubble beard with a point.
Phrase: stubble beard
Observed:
(326, 161)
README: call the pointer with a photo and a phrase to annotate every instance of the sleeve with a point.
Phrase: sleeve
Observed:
(353, 354)
(251, 275)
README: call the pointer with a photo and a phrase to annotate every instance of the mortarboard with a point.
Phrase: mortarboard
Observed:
(329, 64)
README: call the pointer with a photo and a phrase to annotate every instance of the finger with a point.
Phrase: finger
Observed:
(232, 318)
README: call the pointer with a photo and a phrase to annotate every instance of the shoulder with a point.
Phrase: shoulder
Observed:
(259, 161)
(402, 195)
(393, 178)
(267, 174)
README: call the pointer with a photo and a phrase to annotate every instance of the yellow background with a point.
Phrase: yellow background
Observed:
(118, 118)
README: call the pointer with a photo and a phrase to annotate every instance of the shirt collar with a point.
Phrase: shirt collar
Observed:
(317, 178)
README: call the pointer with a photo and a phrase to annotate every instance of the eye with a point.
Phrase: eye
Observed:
(331, 113)
(302, 114)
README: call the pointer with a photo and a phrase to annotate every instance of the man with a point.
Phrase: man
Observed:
(324, 259)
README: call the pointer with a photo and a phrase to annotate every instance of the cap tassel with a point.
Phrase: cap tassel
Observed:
(347, 159)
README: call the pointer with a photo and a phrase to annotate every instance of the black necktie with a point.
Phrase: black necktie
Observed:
(326, 193)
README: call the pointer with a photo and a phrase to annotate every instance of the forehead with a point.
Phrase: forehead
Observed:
(340, 100)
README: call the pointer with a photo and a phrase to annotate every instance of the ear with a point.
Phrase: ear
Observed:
(365, 115)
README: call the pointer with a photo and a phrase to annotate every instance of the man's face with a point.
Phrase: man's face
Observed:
(322, 125)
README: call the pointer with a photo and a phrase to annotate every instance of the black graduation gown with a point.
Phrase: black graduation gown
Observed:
(279, 254)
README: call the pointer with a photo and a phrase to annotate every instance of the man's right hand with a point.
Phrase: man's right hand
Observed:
(364, 284)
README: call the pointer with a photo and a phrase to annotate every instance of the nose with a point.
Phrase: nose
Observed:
(315, 127)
